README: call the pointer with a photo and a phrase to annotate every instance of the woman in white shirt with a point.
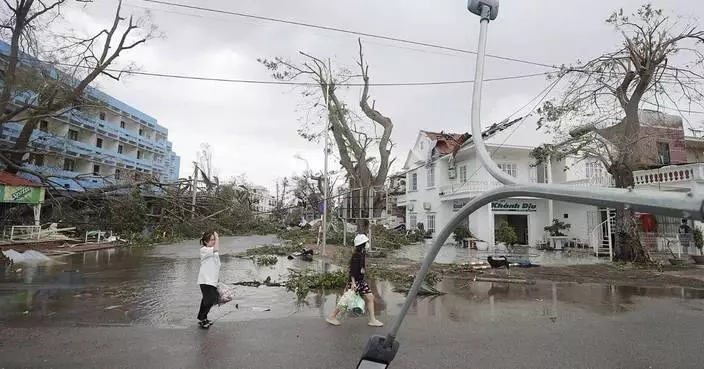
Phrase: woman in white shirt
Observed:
(208, 276)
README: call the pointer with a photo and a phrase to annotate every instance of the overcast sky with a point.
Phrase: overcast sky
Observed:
(252, 128)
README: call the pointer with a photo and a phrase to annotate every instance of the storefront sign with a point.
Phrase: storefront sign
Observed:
(514, 205)
(22, 194)
(458, 204)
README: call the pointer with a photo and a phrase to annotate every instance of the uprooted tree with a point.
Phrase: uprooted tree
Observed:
(354, 137)
(659, 64)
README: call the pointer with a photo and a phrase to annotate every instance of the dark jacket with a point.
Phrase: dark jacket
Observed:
(357, 266)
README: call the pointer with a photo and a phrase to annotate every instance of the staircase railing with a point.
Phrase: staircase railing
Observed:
(600, 241)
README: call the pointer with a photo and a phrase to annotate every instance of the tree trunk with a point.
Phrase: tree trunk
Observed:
(628, 246)
(21, 145)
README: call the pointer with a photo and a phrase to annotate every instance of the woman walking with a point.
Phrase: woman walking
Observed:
(208, 276)
(357, 282)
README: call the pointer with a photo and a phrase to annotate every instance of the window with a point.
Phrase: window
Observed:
(119, 149)
(102, 115)
(96, 169)
(509, 168)
(44, 126)
(39, 160)
(413, 184)
(72, 135)
(430, 224)
(122, 124)
(139, 154)
(594, 169)
(69, 165)
(463, 173)
(431, 176)
(542, 173)
(117, 174)
(141, 132)
(412, 220)
(663, 153)
(99, 142)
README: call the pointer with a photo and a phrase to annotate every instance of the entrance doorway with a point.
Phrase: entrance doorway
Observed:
(518, 222)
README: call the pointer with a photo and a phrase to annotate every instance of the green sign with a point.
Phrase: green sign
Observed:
(22, 194)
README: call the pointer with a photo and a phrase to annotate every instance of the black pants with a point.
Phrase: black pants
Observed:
(210, 298)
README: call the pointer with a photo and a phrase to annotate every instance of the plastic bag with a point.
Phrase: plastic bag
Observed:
(356, 305)
(345, 299)
(226, 293)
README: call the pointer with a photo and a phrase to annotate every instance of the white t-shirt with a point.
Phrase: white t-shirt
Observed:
(209, 266)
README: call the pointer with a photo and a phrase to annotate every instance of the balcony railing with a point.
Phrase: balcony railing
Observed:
(672, 174)
(468, 188)
(601, 181)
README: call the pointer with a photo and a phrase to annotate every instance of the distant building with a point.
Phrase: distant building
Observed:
(112, 141)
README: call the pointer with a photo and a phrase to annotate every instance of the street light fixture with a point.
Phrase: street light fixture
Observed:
(381, 350)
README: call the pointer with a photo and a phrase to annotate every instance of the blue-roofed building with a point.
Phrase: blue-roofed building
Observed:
(108, 142)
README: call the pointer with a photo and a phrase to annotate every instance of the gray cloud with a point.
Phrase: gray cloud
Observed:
(252, 128)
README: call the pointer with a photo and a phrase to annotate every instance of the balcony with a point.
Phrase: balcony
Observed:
(467, 189)
(601, 181)
(671, 175)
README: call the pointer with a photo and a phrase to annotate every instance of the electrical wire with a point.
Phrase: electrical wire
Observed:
(293, 83)
(347, 31)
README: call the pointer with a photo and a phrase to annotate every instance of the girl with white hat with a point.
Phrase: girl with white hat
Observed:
(357, 282)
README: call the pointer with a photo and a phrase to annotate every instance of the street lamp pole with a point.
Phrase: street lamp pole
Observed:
(325, 166)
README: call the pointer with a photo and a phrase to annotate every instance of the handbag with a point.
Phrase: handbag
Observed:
(225, 292)
(346, 299)
(356, 305)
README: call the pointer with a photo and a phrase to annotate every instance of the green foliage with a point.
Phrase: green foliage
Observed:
(506, 234)
(296, 236)
(698, 238)
(267, 260)
(557, 227)
(461, 232)
(301, 283)
(125, 215)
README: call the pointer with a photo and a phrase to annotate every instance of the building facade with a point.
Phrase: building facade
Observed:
(441, 178)
(105, 143)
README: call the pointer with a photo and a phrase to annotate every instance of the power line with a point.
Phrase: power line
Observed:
(293, 83)
(348, 31)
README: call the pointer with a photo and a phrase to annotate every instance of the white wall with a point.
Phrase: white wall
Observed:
(577, 218)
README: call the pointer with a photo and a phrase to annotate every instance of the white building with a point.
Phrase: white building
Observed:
(262, 200)
(443, 173)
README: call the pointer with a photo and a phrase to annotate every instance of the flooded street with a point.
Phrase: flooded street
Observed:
(157, 287)
(87, 310)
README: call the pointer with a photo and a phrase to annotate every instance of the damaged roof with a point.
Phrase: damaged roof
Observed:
(450, 143)
(9, 179)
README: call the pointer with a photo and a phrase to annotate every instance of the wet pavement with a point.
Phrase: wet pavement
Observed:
(450, 253)
(135, 308)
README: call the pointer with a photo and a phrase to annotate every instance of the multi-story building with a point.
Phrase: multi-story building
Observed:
(262, 200)
(107, 142)
(443, 173)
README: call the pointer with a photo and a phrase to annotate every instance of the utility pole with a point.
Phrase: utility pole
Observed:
(193, 190)
(325, 168)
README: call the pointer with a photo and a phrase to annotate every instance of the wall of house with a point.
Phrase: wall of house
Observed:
(674, 137)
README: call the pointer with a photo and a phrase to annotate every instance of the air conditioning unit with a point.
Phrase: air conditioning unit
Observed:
(426, 205)
(452, 173)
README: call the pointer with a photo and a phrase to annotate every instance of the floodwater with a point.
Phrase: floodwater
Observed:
(157, 287)
(450, 253)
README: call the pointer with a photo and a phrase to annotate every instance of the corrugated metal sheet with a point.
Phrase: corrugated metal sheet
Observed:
(13, 180)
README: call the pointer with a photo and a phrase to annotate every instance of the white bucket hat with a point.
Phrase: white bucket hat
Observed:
(360, 239)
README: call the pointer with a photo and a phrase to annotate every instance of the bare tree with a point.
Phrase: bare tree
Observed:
(658, 64)
(40, 81)
(354, 137)
(205, 159)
